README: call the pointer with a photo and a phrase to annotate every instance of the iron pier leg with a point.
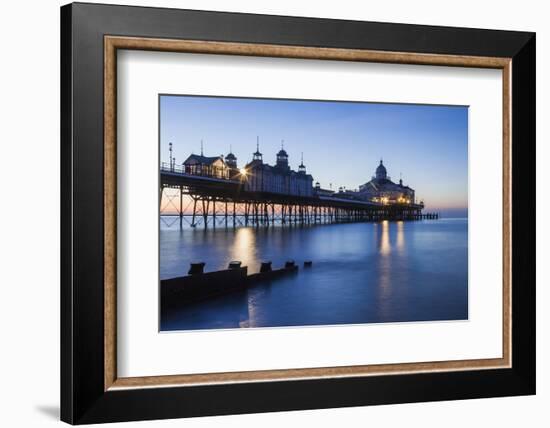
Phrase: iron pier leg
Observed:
(194, 212)
(181, 206)
(290, 214)
(205, 211)
(214, 212)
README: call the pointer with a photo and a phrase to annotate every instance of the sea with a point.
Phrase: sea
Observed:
(381, 272)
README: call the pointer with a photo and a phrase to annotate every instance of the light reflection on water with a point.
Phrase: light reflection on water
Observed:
(362, 273)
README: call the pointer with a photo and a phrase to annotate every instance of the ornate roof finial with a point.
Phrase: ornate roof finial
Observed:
(257, 155)
(302, 167)
(202, 151)
(170, 150)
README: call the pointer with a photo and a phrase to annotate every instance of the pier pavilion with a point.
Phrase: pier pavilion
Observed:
(278, 178)
(382, 189)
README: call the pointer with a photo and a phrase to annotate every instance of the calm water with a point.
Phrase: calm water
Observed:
(362, 273)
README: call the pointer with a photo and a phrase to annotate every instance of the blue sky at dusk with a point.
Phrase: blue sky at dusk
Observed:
(342, 142)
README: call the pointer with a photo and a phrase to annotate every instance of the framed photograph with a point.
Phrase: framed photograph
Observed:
(266, 213)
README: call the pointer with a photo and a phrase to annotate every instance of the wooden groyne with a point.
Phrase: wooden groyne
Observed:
(199, 285)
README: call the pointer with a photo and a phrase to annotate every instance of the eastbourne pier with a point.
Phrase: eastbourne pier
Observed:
(217, 193)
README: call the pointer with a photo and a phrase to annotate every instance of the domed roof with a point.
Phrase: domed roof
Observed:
(381, 171)
(282, 152)
(231, 156)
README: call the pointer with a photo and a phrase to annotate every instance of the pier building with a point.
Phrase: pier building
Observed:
(206, 166)
(382, 189)
(278, 178)
(319, 191)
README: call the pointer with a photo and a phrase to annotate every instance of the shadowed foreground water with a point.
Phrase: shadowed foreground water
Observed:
(362, 273)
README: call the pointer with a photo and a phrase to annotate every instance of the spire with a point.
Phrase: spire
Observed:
(202, 151)
(302, 167)
(401, 179)
(171, 158)
(257, 155)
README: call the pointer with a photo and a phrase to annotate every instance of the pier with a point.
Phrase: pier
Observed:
(219, 201)
(259, 194)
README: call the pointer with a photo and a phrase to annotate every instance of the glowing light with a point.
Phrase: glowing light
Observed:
(243, 172)
(400, 244)
(385, 246)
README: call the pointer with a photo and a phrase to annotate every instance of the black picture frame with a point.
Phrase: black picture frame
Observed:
(83, 398)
